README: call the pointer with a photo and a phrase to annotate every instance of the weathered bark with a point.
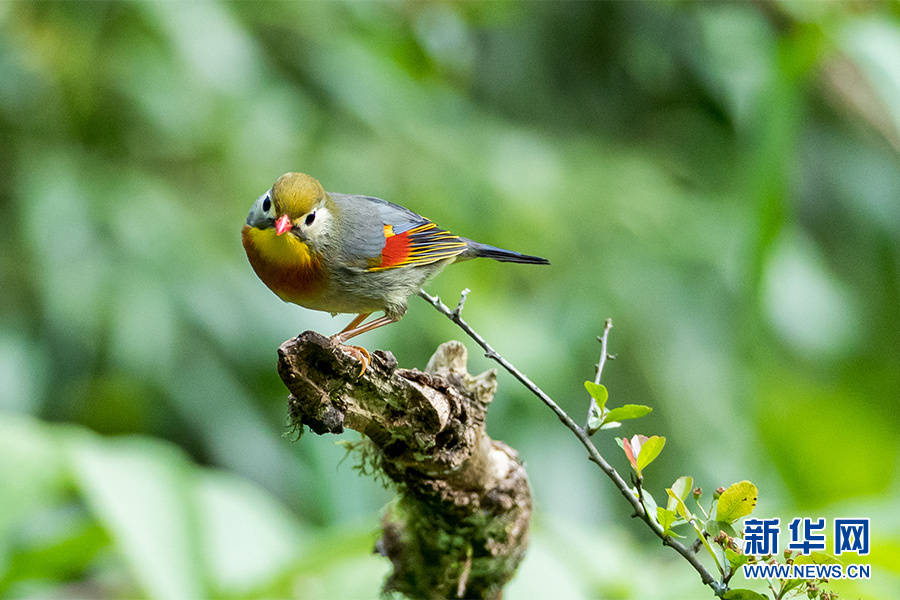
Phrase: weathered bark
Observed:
(459, 526)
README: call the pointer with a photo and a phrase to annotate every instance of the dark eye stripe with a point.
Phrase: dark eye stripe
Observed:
(267, 204)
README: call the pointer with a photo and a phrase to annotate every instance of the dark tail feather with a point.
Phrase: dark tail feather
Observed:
(484, 251)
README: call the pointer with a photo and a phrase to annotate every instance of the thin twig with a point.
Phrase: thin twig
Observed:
(593, 454)
(727, 579)
(604, 353)
(695, 547)
(604, 340)
(462, 302)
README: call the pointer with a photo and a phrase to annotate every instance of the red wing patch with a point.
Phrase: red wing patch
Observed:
(421, 245)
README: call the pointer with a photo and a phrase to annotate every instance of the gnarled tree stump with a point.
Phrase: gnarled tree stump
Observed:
(459, 526)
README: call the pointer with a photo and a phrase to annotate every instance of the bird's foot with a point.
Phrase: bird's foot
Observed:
(357, 352)
(361, 354)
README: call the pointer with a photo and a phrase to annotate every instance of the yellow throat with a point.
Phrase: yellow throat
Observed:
(284, 263)
(284, 250)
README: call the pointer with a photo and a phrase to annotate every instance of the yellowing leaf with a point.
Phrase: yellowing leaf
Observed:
(679, 505)
(737, 501)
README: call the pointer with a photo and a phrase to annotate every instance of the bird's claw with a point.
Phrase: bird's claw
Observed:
(360, 354)
(357, 352)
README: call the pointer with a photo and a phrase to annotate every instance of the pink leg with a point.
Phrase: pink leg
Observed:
(373, 324)
(355, 322)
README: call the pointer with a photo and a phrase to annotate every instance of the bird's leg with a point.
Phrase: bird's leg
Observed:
(354, 323)
(373, 324)
(354, 329)
(359, 352)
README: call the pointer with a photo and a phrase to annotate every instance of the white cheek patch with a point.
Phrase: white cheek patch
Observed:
(320, 225)
(323, 217)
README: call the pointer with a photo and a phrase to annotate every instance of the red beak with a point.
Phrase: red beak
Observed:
(283, 225)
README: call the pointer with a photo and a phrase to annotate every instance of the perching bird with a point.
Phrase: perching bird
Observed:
(343, 253)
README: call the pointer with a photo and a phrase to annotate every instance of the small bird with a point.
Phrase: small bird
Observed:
(344, 253)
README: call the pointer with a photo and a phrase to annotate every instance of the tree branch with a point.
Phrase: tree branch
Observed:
(604, 354)
(460, 525)
(594, 455)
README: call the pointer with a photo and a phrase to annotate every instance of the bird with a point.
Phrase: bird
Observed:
(349, 253)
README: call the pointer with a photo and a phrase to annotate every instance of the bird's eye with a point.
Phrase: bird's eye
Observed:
(310, 218)
(267, 204)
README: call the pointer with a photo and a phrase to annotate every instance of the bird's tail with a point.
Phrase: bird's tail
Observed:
(477, 250)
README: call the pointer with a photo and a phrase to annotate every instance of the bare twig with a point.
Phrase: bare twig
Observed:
(594, 455)
(604, 353)
(462, 302)
(727, 578)
(604, 340)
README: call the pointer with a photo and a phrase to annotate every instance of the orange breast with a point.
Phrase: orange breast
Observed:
(284, 264)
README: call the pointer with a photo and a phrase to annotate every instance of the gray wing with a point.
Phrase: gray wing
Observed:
(386, 235)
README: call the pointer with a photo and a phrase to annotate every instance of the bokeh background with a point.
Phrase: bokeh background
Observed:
(722, 179)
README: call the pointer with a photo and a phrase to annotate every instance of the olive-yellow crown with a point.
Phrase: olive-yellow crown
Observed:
(295, 194)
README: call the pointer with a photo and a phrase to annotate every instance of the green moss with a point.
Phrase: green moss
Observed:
(439, 549)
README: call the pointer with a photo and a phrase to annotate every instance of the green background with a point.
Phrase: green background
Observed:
(722, 179)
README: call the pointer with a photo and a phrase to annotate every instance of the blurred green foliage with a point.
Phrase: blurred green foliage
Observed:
(720, 178)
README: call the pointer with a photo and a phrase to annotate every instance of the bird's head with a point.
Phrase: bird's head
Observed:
(296, 204)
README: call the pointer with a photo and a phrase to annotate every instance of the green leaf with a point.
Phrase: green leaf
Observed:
(665, 517)
(737, 501)
(69, 548)
(139, 490)
(598, 392)
(679, 505)
(719, 553)
(649, 451)
(650, 504)
(247, 537)
(712, 551)
(629, 411)
(32, 469)
(735, 559)
(713, 527)
(743, 594)
(682, 487)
